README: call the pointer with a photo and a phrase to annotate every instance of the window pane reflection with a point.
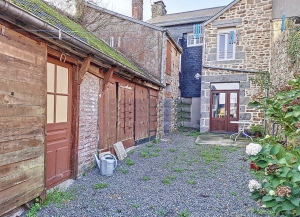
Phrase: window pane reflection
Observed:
(218, 105)
(233, 105)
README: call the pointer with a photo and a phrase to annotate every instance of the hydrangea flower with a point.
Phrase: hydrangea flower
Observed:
(254, 185)
(299, 167)
(253, 149)
(271, 192)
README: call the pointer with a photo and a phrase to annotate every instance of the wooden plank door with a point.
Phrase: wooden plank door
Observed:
(224, 108)
(126, 115)
(141, 113)
(153, 112)
(58, 128)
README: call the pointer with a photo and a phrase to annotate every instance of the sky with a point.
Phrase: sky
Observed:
(172, 6)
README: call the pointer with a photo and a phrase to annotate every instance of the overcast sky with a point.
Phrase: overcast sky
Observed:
(172, 6)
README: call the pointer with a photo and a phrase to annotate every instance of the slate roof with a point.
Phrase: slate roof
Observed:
(46, 13)
(185, 17)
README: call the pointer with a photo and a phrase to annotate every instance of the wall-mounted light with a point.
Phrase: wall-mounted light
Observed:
(197, 76)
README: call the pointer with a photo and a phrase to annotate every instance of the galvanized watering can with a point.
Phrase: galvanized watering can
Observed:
(107, 164)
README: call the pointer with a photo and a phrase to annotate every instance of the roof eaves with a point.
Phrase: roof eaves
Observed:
(124, 17)
(130, 67)
(221, 12)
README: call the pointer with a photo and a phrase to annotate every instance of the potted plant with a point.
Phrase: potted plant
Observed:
(257, 130)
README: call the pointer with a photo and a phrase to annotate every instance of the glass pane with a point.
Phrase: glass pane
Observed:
(218, 105)
(233, 105)
(225, 86)
(230, 43)
(221, 51)
(50, 108)
(50, 77)
(61, 109)
(62, 80)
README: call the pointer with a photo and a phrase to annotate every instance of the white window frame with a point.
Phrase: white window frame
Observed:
(194, 39)
(111, 42)
(227, 33)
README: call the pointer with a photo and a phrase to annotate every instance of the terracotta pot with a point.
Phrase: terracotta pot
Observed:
(253, 166)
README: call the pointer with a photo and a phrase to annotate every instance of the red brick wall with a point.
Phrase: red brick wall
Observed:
(88, 122)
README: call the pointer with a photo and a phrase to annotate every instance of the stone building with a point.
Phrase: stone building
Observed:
(237, 47)
(150, 47)
(181, 26)
(285, 19)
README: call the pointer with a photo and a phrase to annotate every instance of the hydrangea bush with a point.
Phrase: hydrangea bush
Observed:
(280, 191)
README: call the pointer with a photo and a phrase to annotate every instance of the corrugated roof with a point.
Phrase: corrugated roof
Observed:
(185, 17)
(46, 13)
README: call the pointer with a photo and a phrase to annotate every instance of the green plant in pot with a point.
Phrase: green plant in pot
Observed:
(257, 130)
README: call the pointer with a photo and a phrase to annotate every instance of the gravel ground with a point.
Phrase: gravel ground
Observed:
(184, 178)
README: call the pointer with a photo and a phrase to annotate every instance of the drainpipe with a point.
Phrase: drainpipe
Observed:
(162, 75)
(21, 14)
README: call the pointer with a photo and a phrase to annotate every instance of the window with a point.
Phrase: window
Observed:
(226, 44)
(111, 42)
(191, 41)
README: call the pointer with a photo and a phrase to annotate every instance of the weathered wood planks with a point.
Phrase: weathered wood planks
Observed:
(22, 119)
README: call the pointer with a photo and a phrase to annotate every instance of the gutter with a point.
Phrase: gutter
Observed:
(23, 15)
(235, 70)
(162, 75)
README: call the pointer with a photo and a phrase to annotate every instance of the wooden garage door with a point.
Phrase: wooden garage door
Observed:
(58, 128)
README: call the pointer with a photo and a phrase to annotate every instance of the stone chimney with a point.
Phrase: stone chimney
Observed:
(137, 9)
(158, 9)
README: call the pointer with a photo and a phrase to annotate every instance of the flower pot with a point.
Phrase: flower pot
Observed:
(253, 166)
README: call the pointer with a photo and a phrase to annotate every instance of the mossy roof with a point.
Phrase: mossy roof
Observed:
(43, 11)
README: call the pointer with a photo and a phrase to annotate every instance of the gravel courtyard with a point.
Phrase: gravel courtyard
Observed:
(174, 177)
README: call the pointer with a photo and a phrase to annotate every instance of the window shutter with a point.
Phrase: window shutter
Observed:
(169, 58)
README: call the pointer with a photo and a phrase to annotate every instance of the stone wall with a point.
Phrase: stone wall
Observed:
(250, 18)
(282, 69)
(171, 93)
(139, 43)
(88, 122)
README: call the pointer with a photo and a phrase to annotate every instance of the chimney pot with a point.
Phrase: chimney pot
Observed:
(158, 9)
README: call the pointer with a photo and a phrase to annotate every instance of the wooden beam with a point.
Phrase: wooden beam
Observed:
(107, 77)
(84, 67)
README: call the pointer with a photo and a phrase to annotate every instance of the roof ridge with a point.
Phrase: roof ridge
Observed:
(203, 9)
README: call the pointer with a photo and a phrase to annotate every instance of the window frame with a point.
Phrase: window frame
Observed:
(195, 39)
(227, 33)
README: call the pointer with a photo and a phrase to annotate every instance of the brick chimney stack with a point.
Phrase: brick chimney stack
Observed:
(137, 9)
(158, 9)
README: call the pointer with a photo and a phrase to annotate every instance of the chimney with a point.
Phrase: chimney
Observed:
(137, 9)
(158, 9)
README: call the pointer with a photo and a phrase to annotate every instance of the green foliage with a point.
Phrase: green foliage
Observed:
(284, 109)
(135, 206)
(184, 213)
(145, 178)
(56, 197)
(191, 182)
(257, 130)
(129, 162)
(124, 171)
(34, 208)
(194, 134)
(148, 153)
(294, 44)
(281, 171)
(100, 185)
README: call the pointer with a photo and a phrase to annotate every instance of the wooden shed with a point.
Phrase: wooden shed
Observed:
(64, 95)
